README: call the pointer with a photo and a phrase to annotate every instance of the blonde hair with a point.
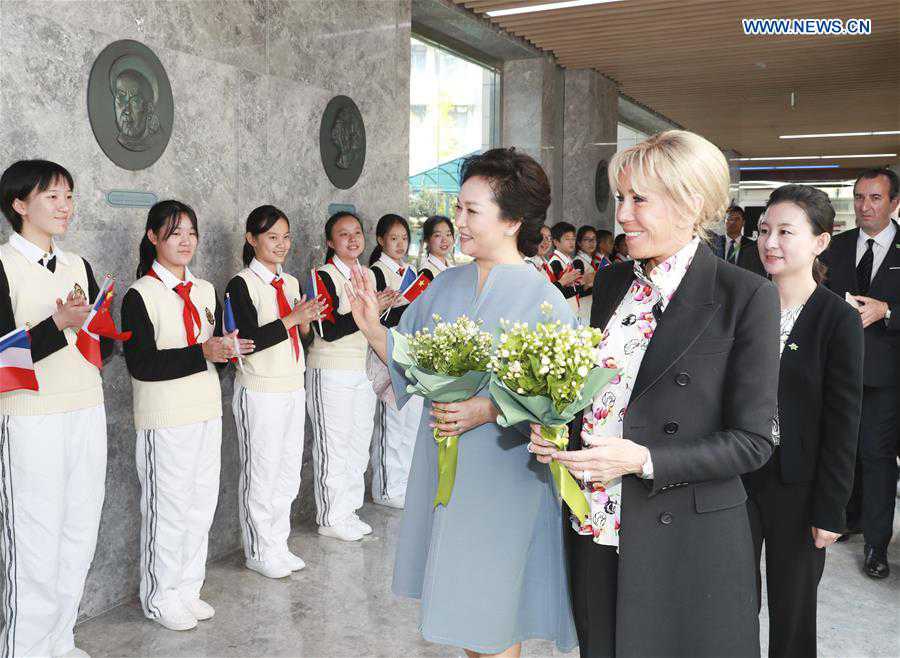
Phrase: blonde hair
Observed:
(682, 165)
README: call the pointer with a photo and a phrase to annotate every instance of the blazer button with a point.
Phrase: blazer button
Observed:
(682, 379)
(670, 428)
(666, 518)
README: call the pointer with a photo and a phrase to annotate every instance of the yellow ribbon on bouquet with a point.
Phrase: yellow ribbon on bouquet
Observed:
(448, 453)
(566, 486)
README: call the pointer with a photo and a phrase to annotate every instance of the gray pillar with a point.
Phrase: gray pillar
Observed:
(533, 118)
(591, 118)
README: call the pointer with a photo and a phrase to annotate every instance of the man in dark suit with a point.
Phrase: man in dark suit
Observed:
(735, 247)
(865, 263)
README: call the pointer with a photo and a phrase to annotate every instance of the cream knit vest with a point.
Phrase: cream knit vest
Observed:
(349, 352)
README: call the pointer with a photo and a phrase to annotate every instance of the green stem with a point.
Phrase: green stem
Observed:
(566, 486)
(448, 452)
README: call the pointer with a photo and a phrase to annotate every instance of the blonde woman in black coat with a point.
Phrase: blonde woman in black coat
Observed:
(664, 564)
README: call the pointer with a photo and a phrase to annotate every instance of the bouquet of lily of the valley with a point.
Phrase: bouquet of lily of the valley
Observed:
(547, 375)
(447, 364)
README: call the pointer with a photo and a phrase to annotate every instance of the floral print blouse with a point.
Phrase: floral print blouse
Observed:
(624, 344)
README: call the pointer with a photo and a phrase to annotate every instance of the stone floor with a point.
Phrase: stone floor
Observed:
(341, 605)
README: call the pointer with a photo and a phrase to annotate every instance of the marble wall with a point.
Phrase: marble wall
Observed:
(532, 118)
(250, 80)
(590, 129)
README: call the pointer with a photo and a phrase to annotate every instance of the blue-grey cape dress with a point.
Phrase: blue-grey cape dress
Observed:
(489, 568)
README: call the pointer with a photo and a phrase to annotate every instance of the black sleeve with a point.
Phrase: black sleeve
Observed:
(46, 338)
(428, 273)
(147, 363)
(343, 325)
(392, 319)
(557, 269)
(106, 344)
(841, 407)
(380, 281)
(219, 330)
(245, 316)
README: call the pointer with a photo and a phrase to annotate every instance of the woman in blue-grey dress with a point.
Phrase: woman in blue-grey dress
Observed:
(488, 567)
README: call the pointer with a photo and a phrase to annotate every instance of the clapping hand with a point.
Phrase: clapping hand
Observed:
(386, 298)
(72, 313)
(220, 349)
(569, 277)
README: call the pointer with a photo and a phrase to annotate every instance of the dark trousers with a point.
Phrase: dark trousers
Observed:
(779, 520)
(879, 435)
(593, 574)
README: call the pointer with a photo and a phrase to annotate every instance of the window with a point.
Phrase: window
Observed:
(453, 112)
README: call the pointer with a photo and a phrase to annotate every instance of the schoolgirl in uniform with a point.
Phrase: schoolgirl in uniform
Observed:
(52, 440)
(567, 277)
(176, 326)
(438, 237)
(339, 396)
(269, 401)
(539, 260)
(395, 430)
(584, 262)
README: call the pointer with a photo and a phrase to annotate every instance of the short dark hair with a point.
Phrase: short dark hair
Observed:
(560, 229)
(521, 190)
(583, 231)
(24, 177)
(259, 221)
(817, 207)
(890, 174)
(736, 208)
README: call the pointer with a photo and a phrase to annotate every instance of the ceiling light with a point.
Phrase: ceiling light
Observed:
(817, 157)
(863, 134)
(764, 168)
(547, 7)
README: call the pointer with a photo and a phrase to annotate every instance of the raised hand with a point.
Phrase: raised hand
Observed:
(72, 313)
(364, 303)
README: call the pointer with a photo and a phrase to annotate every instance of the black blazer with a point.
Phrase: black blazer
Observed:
(703, 403)
(819, 401)
(882, 358)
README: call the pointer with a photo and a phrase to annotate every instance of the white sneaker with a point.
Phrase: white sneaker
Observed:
(268, 568)
(364, 527)
(345, 531)
(200, 609)
(176, 617)
(75, 652)
(293, 562)
(397, 503)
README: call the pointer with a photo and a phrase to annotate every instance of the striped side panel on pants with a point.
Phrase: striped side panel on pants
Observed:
(245, 451)
(320, 446)
(152, 519)
(7, 545)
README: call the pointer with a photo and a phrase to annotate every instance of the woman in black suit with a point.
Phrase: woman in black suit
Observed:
(663, 566)
(797, 500)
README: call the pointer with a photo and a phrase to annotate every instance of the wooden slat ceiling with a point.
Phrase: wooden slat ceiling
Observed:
(690, 61)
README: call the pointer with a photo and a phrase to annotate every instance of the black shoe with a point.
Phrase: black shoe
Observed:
(842, 539)
(851, 530)
(876, 565)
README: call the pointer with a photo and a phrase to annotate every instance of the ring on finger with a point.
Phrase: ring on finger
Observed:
(585, 476)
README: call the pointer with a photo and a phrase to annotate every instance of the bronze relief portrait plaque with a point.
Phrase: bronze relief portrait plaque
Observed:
(130, 104)
(342, 142)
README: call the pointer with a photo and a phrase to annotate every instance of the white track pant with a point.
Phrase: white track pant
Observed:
(53, 481)
(270, 442)
(394, 440)
(584, 310)
(341, 407)
(178, 468)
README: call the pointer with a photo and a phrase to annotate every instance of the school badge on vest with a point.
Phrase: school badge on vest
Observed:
(78, 291)
(210, 317)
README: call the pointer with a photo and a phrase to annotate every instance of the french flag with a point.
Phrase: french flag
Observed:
(16, 366)
(99, 323)
(415, 287)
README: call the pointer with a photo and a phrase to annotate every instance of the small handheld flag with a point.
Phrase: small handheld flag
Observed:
(230, 325)
(409, 278)
(16, 365)
(99, 323)
(416, 288)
